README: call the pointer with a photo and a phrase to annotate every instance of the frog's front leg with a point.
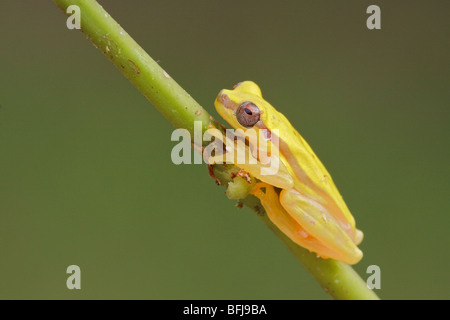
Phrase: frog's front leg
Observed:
(283, 220)
(240, 155)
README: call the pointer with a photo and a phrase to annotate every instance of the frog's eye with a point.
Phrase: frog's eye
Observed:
(248, 114)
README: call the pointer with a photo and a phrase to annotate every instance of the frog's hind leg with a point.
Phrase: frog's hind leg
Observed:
(321, 225)
(280, 217)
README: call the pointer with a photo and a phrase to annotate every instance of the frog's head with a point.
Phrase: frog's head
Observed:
(242, 107)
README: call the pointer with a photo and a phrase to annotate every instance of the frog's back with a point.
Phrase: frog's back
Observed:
(312, 178)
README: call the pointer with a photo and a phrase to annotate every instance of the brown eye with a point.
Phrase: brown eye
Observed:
(248, 114)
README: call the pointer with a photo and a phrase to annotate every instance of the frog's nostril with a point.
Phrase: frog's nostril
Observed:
(223, 98)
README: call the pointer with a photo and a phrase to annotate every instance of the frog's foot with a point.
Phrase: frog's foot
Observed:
(221, 146)
(359, 235)
(243, 174)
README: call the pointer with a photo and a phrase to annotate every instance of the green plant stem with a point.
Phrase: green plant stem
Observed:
(181, 110)
(137, 66)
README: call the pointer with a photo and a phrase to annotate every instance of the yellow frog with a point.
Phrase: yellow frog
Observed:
(301, 199)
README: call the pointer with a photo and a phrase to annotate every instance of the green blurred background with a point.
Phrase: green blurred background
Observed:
(85, 170)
